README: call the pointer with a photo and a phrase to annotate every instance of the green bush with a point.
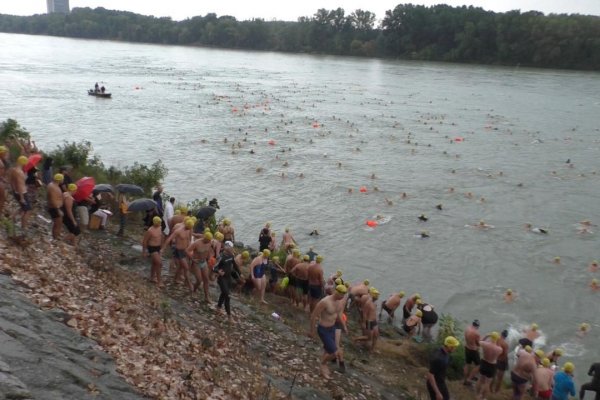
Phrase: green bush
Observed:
(73, 154)
(10, 129)
(145, 176)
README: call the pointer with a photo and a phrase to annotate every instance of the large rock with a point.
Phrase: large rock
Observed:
(42, 358)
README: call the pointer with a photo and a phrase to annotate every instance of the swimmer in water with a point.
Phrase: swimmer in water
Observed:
(509, 296)
(481, 225)
(350, 190)
(314, 233)
(404, 195)
(469, 195)
(423, 217)
(594, 285)
(389, 202)
(439, 207)
(423, 235)
(556, 260)
(451, 190)
(534, 229)
(583, 330)
(532, 333)
(593, 266)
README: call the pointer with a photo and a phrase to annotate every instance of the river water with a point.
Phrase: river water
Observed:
(395, 120)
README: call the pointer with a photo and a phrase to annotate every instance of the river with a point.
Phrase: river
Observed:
(334, 123)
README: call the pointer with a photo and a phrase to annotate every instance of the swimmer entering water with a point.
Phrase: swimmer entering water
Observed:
(593, 266)
(481, 225)
(509, 296)
(423, 217)
(535, 229)
(314, 233)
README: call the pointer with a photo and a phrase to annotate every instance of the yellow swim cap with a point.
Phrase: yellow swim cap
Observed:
(419, 301)
(184, 210)
(401, 293)
(584, 326)
(540, 353)
(22, 160)
(366, 282)
(338, 273)
(245, 255)
(569, 367)
(338, 281)
(219, 236)
(494, 336)
(3, 149)
(59, 178)
(528, 348)
(558, 352)
(341, 289)
(296, 252)
(268, 225)
(546, 362)
(419, 313)
(178, 212)
(534, 327)
(207, 236)
(374, 292)
(194, 219)
(226, 221)
(72, 187)
(156, 221)
(508, 291)
(275, 258)
(306, 257)
(189, 223)
(417, 296)
(451, 342)
(319, 259)
(266, 253)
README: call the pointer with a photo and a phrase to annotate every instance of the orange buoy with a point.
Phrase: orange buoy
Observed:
(234, 110)
(272, 142)
(316, 125)
(363, 189)
(372, 224)
(459, 139)
(344, 317)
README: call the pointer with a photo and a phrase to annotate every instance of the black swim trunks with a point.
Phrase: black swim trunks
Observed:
(502, 365)
(71, 227)
(315, 291)
(153, 249)
(386, 308)
(371, 325)
(303, 285)
(179, 254)
(54, 213)
(517, 380)
(25, 205)
(487, 369)
(472, 356)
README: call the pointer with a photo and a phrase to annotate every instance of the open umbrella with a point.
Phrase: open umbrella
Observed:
(85, 186)
(104, 188)
(32, 161)
(129, 188)
(205, 212)
(141, 205)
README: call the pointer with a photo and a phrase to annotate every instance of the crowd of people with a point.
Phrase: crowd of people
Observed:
(201, 255)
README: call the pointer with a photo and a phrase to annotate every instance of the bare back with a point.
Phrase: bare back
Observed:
(315, 274)
(55, 198)
(472, 338)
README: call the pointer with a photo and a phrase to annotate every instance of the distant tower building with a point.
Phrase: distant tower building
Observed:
(58, 6)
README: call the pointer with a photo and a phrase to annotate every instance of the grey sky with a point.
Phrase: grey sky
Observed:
(290, 10)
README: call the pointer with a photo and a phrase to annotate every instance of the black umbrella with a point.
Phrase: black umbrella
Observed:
(104, 188)
(206, 212)
(129, 188)
(141, 205)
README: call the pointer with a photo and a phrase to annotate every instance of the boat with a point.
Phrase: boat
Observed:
(99, 94)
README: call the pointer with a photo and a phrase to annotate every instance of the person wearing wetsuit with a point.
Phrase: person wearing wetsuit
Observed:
(594, 385)
(224, 269)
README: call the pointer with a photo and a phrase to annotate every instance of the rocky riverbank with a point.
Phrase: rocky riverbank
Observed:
(86, 323)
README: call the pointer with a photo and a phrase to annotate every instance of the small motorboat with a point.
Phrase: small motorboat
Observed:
(99, 94)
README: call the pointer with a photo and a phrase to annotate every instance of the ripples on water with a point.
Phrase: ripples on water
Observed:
(525, 123)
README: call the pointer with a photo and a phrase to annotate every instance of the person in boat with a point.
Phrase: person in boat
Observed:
(102, 89)
(96, 88)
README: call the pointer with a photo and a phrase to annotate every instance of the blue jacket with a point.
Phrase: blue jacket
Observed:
(563, 386)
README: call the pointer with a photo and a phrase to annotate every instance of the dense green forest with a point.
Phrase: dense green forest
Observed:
(440, 33)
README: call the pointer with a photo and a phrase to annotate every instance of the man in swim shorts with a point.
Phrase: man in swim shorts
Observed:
(290, 262)
(315, 282)
(200, 251)
(326, 312)
(68, 215)
(487, 370)
(522, 371)
(413, 324)
(472, 340)
(151, 245)
(502, 362)
(369, 319)
(391, 304)
(300, 273)
(17, 178)
(182, 236)
(544, 379)
(55, 203)
(410, 303)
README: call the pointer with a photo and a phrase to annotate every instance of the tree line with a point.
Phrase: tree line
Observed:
(435, 33)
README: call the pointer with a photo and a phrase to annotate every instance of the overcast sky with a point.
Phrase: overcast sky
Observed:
(291, 10)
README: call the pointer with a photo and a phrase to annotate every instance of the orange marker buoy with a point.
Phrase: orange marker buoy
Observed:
(372, 224)
(344, 317)
(459, 139)
(234, 110)
(363, 189)
(315, 125)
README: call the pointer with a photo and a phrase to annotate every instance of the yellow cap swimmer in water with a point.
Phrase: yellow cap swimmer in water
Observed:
(156, 221)
(72, 187)
(534, 327)
(21, 161)
(59, 178)
(341, 289)
(451, 342)
(584, 327)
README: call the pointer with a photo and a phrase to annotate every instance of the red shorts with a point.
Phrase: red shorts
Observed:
(546, 394)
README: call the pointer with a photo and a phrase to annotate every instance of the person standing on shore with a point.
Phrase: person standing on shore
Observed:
(300, 273)
(123, 205)
(224, 269)
(182, 237)
(288, 241)
(563, 383)
(522, 371)
(438, 364)
(502, 363)
(68, 214)
(327, 311)
(290, 262)
(151, 245)
(544, 379)
(17, 178)
(227, 230)
(491, 351)
(55, 203)
(200, 251)
(258, 269)
(391, 304)
(472, 339)
(594, 385)
(315, 282)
